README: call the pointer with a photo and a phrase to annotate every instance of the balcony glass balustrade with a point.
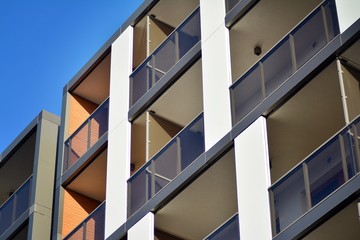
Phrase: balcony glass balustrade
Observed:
(173, 158)
(86, 135)
(229, 230)
(284, 59)
(229, 4)
(316, 177)
(175, 46)
(15, 206)
(92, 228)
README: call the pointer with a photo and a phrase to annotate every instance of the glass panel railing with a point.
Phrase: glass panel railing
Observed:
(229, 4)
(86, 135)
(284, 59)
(15, 206)
(93, 227)
(316, 177)
(229, 230)
(179, 153)
(176, 45)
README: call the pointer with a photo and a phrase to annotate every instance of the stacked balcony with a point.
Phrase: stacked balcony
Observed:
(283, 60)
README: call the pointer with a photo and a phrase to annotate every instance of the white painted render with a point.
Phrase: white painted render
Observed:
(119, 134)
(143, 229)
(253, 180)
(216, 71)
(348, 12)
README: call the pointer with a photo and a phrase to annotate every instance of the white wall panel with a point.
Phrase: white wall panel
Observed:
(253, 180)
(119, 140)
(143, 229)
(216, 71)
(348, 12)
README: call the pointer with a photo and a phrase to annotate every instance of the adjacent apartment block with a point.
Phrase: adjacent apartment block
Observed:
(215, 119)
(27, 173)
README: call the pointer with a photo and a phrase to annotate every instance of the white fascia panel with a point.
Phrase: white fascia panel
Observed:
(144, 229)
(216, 81)
(253, 180)
(212, 16)
(121, 67)
(119, 134)
(348, 12)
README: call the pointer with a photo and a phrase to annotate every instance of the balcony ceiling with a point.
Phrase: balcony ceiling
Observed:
(17, 168)
(353, 53)
(200, 209)
(182, 102)
(95, 87)
(92, 181)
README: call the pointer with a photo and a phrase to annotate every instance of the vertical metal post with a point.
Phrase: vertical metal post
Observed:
(262, 76)
(84, 230)
(273, 212)
(177, 47)
(293, 52)
(148, 41)
(147, 136)
(357, 150)
(89, 134)
(326, 25)
(152, 166)
(153, 70)
(343, 158)
(129, 199)
(178, 165)
(342, 91)
(307, 186)
(14, 208)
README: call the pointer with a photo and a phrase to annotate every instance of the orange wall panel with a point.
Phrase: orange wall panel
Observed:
(76, 208)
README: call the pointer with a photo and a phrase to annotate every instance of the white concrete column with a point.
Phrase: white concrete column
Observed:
(253, 180)
(216, 71)
(118, 155)
(348, 12)
(143, 229)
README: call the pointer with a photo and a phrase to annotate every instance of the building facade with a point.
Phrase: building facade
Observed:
(221, 119)
(27, 173)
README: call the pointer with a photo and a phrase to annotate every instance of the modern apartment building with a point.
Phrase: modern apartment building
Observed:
(27, 173)
(211, 119)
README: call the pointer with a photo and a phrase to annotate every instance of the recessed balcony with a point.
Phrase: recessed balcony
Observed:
(174, 47)
(283, 60)
(316, 177)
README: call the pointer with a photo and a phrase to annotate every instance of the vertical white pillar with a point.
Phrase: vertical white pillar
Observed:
(118, 156)
(216, 71)
(253, 180)
(348, 12)
(143, 229)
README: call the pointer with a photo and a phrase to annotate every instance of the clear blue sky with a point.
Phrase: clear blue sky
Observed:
(43, 44)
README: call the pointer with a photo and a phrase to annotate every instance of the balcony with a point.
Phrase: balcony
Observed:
(283, 60)
(175, 46)
(316, 177)
(229, 230)
(86, 135)
(93, 227)
(166, 164)
(15, 206)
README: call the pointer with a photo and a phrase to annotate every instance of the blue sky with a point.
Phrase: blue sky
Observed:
(43, 44)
